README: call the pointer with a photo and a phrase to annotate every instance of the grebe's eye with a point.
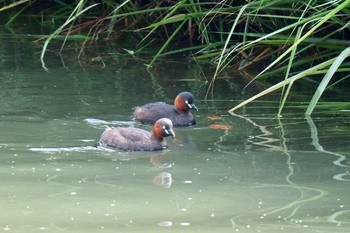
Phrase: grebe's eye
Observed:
(188, 104)
(165, 130)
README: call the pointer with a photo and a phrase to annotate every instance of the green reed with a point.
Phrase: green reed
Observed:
(288, 37)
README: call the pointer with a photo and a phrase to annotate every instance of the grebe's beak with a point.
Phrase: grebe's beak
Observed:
(169, 132)
(192, 106)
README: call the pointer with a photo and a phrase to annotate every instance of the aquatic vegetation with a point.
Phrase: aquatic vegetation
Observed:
(282, 38)
(329, 67)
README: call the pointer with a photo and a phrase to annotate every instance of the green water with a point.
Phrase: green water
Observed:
(262, 175)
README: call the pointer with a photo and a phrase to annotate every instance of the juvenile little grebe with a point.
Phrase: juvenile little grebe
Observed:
(134, 139)
(178, 113)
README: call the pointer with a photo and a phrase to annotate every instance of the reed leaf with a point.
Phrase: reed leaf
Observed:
(322, 86)
(222, 59)
(164, 21)
(14, 4)
(165, 45)
(76, 13)
(289, 67)
(322, 19)
(311, 71)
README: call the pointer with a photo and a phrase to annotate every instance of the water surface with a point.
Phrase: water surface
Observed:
(249, 172)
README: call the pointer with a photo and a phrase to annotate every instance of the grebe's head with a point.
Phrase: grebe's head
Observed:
(163, 128)
(185, 101)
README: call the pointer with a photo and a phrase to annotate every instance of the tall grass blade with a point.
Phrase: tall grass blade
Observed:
(289, 67)
(73, 16)
(165, 20)
(310, 71)
(13, 5)
(321, 19)
(114, 16)
(322, 86)
(166, 44)
(224, 50)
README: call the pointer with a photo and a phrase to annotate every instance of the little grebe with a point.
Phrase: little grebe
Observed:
(179, 113)
(133, 139)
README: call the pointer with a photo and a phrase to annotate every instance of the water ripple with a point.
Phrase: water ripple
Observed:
(333, 217)
(69, 149)
(98, 123)
(340, 176)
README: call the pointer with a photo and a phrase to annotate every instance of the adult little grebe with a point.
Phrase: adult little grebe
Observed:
(178, 113)
(134, 139)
